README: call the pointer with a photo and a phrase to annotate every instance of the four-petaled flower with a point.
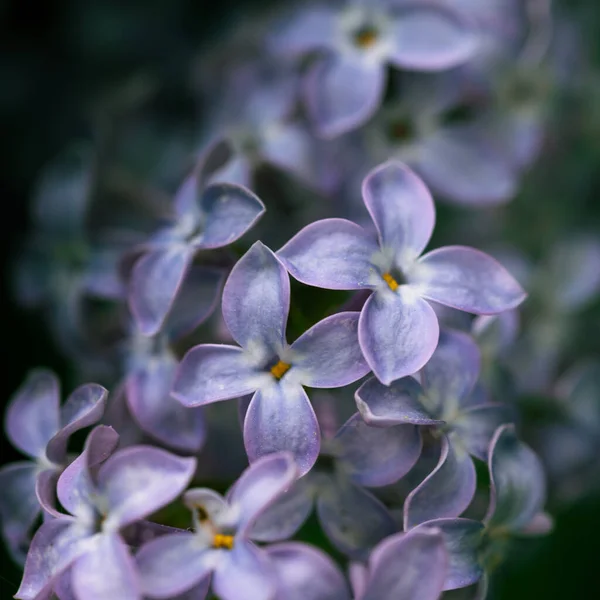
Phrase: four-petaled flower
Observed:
(398, 329)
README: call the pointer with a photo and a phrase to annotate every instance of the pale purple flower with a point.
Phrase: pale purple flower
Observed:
(256, 301)
(398, 329)
(357, 41)
(445, 401)
(39, 427)
(517, 497)
(221, 541)
(102, 495)
(207, 215)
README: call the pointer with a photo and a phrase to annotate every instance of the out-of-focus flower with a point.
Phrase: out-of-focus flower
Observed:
(398, 329)
(102, 495)
(39, 427)
(357, 41)
(256, 301)
(221, 541)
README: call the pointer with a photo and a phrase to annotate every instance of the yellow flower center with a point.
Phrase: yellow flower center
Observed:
(280, 369)
(223, 541)
(365, 37)
(392, 283)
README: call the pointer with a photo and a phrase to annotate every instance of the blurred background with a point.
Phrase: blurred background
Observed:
(85, 70)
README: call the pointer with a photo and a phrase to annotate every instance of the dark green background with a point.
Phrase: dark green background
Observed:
(58, 57)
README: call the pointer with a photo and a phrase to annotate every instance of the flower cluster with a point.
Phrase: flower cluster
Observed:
(260, 278)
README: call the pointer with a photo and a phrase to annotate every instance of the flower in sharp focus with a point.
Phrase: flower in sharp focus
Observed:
(398, 329)
(256, 301)
(102, 495)
(208, 215)
(357, 42)
(221, 541)
(39, 427)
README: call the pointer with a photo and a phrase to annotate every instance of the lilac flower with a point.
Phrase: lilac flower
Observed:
(517, 497)
(40, 428)
(398, 329)
(207, 215)
(444, 401)
(220, 543)
(101, 496)
(151, 365)
(255, 305)
(353, 519)
(358, 41)
(405, 565)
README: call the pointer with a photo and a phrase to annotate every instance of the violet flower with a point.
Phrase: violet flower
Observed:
(256, 301)
(220, 543)
(151, 365)
(39, 427)
(208, 215)
(358, 41)
(353, 519)
(101, 496)
(517, 496)
(445, 401)
(398, 329)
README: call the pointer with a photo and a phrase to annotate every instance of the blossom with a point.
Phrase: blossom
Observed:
(208, 215)
(102, 495)
(517, 496)
(398, 329)
(357, 41)
(255, 304)
(40, 428)
(220, 543)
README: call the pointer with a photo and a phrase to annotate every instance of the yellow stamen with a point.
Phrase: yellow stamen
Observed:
(365, 37)
(392, 283)
(280, 369)
(223, 541)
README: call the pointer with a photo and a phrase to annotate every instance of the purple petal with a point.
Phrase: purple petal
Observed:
(196, 301)
(384, 406)
(106, 570)
(328, 354)
(157, 412)
(446, 491)
(84, 407)
(280, 418)
(305, 573)
(138, 480)
(155, 281)
(476, 426)
(402, 209)
(212, 372)
(229, 210)
(496, 333)
(244, 574)
(256, 299)
(53, 549)
(398, 333)
(408, 565)
(334, 254)
(310, 28)
(451, 374)
(335, 102)
(431, 38)
(286, 515)
(45, 491)
(260, 485)
(353, 519)
(212, 503)
(518, 485)
(172, 564)
(32, 416)
(466, 279)
(463, 539)
(373, 456)
(18, 503)
(461, 165)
